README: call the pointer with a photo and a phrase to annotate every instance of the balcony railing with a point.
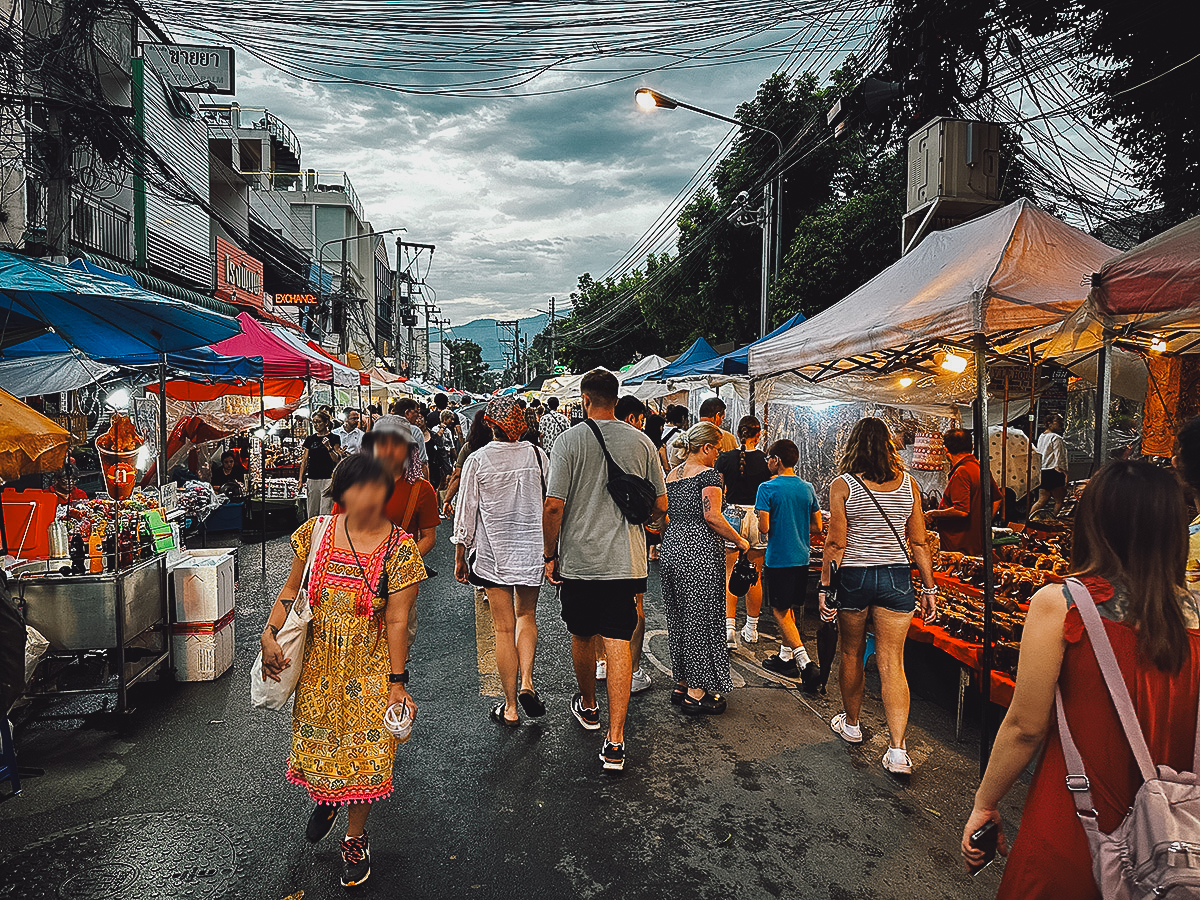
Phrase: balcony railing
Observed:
(256, 118)
(103, 228)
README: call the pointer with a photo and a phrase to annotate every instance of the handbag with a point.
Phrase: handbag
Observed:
(407, 522)
(743, 576)
(634, 495)
(266, 693)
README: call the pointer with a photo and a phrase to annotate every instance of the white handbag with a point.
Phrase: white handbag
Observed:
(266, 693)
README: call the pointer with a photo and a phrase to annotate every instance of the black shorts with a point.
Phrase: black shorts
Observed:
(786, 586)
(1052, 479)
(605, 608)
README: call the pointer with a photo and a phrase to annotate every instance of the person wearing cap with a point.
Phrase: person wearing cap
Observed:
(498, 544)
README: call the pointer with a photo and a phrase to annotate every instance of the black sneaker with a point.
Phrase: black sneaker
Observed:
(356, 861)
(613, 756)
(785, 667)
(321, 822)
(588, 718)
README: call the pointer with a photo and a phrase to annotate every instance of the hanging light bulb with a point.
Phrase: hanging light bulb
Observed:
(118, 399)
(952, 362)
(906, 381)
(1158, 345)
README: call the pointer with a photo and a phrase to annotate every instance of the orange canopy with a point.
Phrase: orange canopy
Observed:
(29, 442)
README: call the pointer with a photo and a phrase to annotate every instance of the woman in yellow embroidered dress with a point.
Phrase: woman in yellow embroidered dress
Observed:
(361, 586)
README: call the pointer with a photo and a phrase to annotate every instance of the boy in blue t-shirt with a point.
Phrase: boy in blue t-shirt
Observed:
(788, 513)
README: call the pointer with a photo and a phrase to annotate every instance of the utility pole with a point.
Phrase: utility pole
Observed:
(513, 360)
(553, 364)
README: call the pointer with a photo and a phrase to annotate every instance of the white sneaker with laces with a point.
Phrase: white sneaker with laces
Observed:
(641, 682)
(897, 761)
(601, 670)
(749, 635)
(730, 641)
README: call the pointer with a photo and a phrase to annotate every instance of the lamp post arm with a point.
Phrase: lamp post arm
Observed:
(731, 121)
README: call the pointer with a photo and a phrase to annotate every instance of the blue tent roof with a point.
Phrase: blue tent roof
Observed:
(200, 363)
(701, 351)
(100, 315)
(694, 361)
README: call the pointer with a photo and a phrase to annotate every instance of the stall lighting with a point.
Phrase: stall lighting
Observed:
(143, 458)
(707, 394)
(260, 433)
(118, 399)
(952, 362)
(906, 381)
(1158, 345)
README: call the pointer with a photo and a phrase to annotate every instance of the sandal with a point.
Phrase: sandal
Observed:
(839, 727)
(532, 703)
(708, 705)
(677, 695)
(497, 715)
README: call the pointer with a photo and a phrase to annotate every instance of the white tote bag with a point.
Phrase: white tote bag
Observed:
(266, 693)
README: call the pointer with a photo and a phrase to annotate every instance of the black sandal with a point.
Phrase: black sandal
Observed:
(677, 695)
(708, 705)
(532, 703)
(497, 715)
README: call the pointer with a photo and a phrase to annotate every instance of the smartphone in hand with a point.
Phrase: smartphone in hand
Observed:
(985, 839)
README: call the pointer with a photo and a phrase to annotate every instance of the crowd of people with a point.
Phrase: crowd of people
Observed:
(519, 479)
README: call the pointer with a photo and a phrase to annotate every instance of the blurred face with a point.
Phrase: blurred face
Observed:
(637, 421)
(392, 452)
(66, 483)
(227, 463)
(321, 424)
(365, 497)
(352, 420)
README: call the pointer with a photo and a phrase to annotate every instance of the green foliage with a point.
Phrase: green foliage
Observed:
(467, 367)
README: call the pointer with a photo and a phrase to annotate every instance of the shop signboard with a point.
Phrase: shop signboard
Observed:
(239, 275)
(191, 68)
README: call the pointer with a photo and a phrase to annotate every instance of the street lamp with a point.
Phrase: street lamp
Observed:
(649, 99)
(343, 241)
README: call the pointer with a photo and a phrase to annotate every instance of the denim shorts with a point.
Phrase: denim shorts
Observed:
(887, 587)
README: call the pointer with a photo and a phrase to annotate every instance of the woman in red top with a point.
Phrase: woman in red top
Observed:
(1130, 549)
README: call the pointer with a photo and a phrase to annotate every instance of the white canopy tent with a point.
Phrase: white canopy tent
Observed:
(1013, 270)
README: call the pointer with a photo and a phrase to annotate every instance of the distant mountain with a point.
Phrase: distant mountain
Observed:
(484, 333)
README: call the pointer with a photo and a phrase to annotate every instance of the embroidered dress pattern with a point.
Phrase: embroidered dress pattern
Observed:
(341, 752)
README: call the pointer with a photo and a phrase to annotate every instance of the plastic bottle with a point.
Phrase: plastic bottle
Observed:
(95, 553)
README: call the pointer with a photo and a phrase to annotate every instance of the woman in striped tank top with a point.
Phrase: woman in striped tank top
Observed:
(874, 508)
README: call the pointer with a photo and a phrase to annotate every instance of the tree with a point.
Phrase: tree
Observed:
(467, 366)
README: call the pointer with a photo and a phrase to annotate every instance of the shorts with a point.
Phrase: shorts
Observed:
(1052, 479)
(786, 586)
(605, 608)
(743, 520)
(884, 587)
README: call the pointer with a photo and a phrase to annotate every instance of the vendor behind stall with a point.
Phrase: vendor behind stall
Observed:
(66, 486)
(959, 519)
(229, 478)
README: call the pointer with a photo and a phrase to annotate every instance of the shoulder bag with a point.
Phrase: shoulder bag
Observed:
(634, 495)
(266, 693)
(831, 600)
(1155, 851)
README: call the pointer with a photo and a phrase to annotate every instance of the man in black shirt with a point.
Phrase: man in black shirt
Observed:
(322, 451)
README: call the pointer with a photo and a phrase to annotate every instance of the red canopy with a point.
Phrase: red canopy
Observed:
(1161, 275)
(363, 377)
(280, 359)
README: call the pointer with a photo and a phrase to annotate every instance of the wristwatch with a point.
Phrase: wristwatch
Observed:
(549, 559)
(402, 678)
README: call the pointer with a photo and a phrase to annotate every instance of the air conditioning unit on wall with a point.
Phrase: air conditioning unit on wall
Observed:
(953, 175)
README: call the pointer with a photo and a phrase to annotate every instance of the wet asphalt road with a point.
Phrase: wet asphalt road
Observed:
(185, 797)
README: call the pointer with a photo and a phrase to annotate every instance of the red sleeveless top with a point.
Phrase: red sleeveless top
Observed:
(1050, 857)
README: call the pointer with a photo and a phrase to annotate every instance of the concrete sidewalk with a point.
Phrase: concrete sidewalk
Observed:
(185, 797)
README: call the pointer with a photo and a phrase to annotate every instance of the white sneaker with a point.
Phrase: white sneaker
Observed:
(641, 682)
(851, 734)
(897, 761)
(601, 670)
(730, 641)
(749, 634)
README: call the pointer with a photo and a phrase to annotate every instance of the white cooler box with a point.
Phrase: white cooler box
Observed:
(204, 586)
(203, 650)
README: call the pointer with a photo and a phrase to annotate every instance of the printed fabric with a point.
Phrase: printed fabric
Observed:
(341, 753)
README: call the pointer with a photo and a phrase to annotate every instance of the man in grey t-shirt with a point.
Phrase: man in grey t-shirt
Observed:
(596, 554)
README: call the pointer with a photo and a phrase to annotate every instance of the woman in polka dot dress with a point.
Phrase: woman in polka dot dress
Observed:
(692, 563)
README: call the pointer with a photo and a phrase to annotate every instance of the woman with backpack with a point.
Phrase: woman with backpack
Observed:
(1128, 558)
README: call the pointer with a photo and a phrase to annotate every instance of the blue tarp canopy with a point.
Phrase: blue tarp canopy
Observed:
(202, 363)
(104, 316)
(700, 351)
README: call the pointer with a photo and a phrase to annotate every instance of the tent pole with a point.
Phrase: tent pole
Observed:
(752, 397)
(1004, 458)
(1029, 498)
(360, 406)
(312, 404)
(987, 730)
(162, 419)
(262, 478)
(1103, 401)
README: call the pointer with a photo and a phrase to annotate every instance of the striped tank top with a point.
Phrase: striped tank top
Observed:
(869, 539)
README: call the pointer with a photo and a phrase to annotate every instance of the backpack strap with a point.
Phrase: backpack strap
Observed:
(1077, 781)
(613, 469)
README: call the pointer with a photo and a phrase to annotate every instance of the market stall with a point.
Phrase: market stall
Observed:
(932, 324)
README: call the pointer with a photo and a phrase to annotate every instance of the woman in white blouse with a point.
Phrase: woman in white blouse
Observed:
(498, 538)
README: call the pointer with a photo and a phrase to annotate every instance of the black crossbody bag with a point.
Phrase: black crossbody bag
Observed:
(831, 598)
(634, 495)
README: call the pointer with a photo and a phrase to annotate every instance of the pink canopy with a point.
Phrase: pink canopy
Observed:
(1161, 275)
(280, 358)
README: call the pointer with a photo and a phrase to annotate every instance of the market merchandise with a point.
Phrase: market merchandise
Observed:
(928, 453)
(118, 449)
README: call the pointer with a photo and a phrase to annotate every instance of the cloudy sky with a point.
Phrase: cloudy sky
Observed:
(521, 194)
